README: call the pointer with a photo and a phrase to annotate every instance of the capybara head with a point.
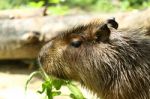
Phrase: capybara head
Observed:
(111, 63)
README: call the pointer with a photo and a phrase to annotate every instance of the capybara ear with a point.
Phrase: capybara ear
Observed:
(102, 35)
(112, 22)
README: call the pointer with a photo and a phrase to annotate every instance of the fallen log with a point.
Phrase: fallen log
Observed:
(22, 38)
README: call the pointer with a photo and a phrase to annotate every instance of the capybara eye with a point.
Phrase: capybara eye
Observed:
(76, 43)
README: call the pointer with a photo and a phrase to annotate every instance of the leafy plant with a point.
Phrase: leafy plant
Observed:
(36, 4)
(51, 86)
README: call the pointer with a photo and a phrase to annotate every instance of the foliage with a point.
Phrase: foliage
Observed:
(62, 6)
(51, 86)
(80, 3)
(4, 4)
(8, 4)
(104, 5)
(36, 4)
(134, 4)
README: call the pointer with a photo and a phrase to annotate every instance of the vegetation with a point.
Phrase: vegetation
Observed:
(62, 6)
(51, 86)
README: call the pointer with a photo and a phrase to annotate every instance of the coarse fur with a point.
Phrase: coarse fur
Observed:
(114, 64)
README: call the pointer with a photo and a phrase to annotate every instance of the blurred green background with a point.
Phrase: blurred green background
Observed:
(63, 6)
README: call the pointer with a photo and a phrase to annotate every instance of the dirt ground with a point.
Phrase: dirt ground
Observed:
(12, 83)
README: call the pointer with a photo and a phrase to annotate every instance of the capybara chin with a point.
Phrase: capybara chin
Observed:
(112, 63)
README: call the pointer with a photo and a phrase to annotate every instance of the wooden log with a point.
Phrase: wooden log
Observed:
(22, 38)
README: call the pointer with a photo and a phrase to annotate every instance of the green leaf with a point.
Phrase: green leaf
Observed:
(30, 78)
(49, 93)
(56, 93)
(76, 93)
(43, 89)
(58, 83)
(46, 86)
(73, 96)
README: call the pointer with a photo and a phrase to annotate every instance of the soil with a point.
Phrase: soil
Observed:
(13, 76)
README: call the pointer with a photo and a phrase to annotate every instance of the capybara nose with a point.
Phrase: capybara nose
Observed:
(43, 54)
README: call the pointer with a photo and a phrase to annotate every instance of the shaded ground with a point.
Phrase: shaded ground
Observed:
(12, 82)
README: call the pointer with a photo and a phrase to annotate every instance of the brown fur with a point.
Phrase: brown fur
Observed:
(113, 64)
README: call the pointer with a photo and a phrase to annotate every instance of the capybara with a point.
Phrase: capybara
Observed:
(112, 63)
